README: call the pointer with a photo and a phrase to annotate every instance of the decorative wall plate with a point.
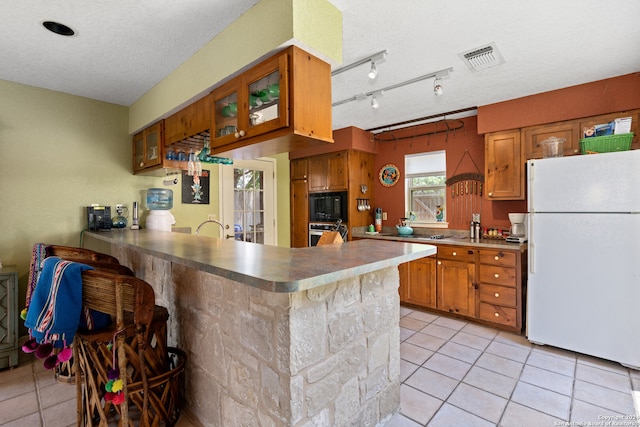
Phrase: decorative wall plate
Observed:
(389, 175)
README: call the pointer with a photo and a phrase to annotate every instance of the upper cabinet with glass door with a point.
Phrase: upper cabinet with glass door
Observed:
(147, 148)
(284, 103)
(254, 103)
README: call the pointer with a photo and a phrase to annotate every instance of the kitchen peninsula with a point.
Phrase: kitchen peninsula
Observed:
(295, 336)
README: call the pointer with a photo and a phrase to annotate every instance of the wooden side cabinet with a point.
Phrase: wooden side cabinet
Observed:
(456, 271)
(299, 203)
(504, 163)
(418, 282)
(8, 317)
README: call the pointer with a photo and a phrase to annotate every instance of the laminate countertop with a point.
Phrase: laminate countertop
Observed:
(451, 238)
(271, 268)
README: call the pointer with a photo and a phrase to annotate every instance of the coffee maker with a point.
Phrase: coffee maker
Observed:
(518, 231)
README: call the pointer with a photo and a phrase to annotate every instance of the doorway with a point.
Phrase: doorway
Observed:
(247, 200)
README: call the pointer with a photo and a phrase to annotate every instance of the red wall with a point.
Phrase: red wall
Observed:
(391, 199)
(590, 99)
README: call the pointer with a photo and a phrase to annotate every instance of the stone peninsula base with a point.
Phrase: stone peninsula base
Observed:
(329, 356)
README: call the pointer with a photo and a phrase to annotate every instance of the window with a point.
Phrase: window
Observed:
(426, 176)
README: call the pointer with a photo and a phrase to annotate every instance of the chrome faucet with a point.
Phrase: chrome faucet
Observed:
(210, 220)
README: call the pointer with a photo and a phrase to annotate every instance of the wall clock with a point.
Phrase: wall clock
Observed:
(389, 175)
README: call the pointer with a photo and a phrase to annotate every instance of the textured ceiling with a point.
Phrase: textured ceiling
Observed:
(123, 48)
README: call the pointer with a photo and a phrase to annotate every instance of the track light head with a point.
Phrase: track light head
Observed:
(373, 72)
(374, 102)
(437, 87)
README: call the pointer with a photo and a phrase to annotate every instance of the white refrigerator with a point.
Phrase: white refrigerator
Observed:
(583, 290)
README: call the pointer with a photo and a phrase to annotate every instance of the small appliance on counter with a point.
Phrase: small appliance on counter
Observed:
(518, 231)
(159, 202)
(99, 218)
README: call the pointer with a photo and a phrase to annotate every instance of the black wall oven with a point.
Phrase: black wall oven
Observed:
(328, 207)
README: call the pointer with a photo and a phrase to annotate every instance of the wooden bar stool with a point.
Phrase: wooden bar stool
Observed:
(151, 374)
(64, 371)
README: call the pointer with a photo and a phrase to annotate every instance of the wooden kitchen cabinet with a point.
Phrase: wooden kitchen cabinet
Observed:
(189, 121)
(455, 286)
(148, 148)
(418, 282)
(299, 203)
(500, 287)
(283, 103)
(328, 172)
(504, 166)
(570, 131)
(486, 285)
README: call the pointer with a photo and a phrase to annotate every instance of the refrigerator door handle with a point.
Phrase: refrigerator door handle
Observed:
(531, 247)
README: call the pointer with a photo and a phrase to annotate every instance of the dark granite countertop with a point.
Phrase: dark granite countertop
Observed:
(271, 268)
(453, 238)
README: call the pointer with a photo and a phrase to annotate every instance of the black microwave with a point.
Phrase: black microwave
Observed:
(328, 207)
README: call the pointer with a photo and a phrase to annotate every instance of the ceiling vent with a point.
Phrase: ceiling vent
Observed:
(483, 57)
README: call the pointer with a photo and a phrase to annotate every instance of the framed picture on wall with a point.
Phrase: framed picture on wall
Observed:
(195, 189)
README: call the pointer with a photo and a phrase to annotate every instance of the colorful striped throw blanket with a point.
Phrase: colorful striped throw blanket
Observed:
(55, 312)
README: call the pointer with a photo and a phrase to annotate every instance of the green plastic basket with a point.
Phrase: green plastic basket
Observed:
(606, 144)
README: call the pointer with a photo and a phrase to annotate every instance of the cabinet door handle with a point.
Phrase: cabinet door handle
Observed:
(470, 252)
(496, 314)
(496, 275)
(490, 194)
(454, 253)
(239, 134)
(475, 286)
(497, 295)
(439, 262)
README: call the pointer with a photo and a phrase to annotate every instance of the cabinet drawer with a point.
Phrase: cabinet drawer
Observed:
(498, 275)
(498, 314)
(495, 257)
(456, 253)
(500, 295)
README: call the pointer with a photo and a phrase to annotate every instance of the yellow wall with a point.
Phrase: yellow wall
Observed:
(58, 154)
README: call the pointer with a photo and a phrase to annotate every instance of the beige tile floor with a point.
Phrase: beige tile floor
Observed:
(454, 373)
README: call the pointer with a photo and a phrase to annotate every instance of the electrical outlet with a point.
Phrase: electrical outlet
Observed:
(211, 217)
(384, 216)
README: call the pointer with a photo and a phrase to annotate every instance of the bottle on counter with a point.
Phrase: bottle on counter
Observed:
(472, 230)
(378, 220)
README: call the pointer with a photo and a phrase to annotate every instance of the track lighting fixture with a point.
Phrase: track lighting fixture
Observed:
(374, 98)
(437, 86)
(374, 59)
(373, 72)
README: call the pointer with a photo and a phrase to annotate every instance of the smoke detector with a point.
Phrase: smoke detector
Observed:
(482, 57)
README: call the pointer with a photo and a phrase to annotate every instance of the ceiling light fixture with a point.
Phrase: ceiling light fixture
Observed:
(437, 86)
(58, 28)
(376, 57)
(373, 72)
(374, 102)
(442, 74)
